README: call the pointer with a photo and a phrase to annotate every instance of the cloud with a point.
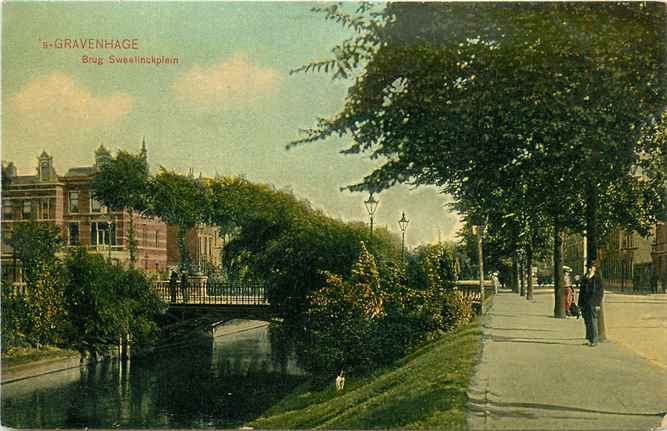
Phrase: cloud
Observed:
(233, 81)
(55, 104)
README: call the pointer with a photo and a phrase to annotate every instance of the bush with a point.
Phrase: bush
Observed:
(13, 320)
(44, 304)
(105, 301)
(456, 311)
(368, 321)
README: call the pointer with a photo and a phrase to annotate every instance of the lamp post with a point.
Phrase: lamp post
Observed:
(479, 230)
(403, 224)
(371, 206)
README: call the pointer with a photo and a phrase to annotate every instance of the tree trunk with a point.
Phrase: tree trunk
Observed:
(183, 248)
(515, 272)
(592, 249)
(131, 245)
(559, 294)
(529, 263)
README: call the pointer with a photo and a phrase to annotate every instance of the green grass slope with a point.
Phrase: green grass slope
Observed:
(425, 390)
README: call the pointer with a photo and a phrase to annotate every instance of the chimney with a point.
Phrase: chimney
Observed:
(11, 170)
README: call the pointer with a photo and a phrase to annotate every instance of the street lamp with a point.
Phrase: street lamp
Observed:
(371, 206)
(479, 230)
(403, 224)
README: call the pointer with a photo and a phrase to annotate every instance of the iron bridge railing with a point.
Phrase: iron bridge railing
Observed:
(212, 293)
(470, 289)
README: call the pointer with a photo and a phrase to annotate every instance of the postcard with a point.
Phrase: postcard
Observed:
(357, 215)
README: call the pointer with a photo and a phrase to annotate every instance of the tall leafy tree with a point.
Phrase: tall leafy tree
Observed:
(104, 301)
(122, 184)
(35, 245)
(180, 200)
(544, 100)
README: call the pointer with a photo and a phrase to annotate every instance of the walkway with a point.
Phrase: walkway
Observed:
(639, 322)
(536, 373)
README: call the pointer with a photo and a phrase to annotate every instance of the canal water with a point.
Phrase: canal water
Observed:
(221, 382)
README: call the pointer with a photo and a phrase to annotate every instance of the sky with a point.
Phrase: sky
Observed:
(229, 106)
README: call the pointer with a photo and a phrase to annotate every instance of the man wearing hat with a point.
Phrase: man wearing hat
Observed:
(590, 300)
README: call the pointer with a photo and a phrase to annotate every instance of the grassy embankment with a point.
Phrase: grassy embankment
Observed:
(427, 389)
(23, 355)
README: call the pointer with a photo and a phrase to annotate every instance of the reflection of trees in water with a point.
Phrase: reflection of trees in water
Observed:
(238, 388)
(195, 386)
(283, 348)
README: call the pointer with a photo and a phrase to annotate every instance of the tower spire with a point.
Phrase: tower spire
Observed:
(144, 151)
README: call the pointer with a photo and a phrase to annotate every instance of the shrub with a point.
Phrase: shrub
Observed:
(44, 304)
(14, 315)
(456, 311)
(370, 320)
(104, 301)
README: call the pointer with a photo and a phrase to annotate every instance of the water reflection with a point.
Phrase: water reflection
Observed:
(221, 384)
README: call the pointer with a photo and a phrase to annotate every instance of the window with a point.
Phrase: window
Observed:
(73, 204)
(95, 205)
(99, 233)
(157, 238)
(7, 210)
(44, 209)
(27, 209)
(73, 234)
(93, 233)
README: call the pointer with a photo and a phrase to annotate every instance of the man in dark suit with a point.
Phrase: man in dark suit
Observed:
(590, 301)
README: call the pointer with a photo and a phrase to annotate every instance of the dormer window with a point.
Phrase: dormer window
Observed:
(45, 167)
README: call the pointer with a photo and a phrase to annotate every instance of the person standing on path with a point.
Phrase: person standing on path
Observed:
(590, 301)
(569, 294)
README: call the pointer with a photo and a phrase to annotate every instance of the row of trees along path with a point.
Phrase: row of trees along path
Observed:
(539, 119)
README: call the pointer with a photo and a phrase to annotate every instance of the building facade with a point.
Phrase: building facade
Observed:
(204, 245)
(659, 255)
(629, 262)
(67, 202)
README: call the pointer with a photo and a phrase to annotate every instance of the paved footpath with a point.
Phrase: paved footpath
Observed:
(536, 373)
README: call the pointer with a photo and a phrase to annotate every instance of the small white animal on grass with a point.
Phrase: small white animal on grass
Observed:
(340, 381)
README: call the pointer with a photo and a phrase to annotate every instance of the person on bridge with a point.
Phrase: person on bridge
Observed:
(173, 282)
(184, 286)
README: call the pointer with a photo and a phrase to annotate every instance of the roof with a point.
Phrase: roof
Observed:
(83, 171)
(23, 179)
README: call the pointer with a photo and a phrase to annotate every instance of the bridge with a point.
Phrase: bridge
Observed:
(249, 299)
(203, 304)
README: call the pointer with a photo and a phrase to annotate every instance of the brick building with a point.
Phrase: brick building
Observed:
(628, 260)
(67, 202)
(204, 245)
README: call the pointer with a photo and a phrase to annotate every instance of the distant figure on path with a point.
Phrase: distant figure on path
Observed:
(567, 283)
(590, 300)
